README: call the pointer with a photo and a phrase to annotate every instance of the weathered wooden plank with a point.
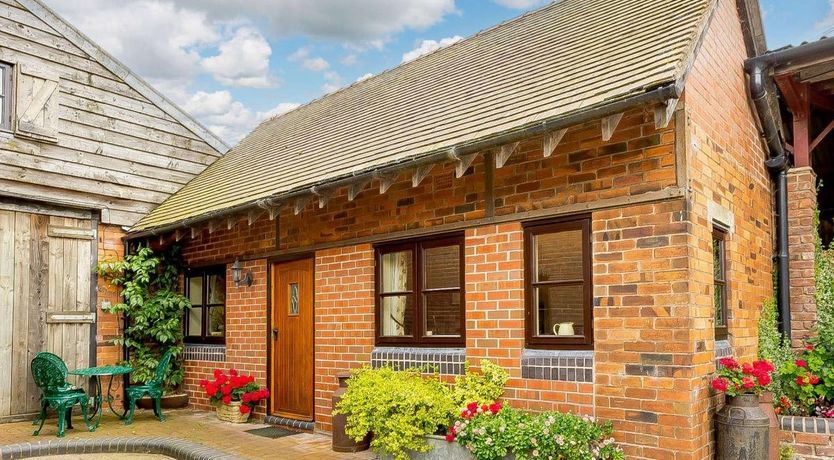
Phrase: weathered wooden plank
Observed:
(160, 157)
(20, 319)
(55, 334)
(51, 54)
(37, 177)
(126, 115)
(68, 291)
(20, 27)
(102, 96)
(38, 298)
(16, 13)
(11, 204)
(72, 232)
(7, 242)
(70, 198)
(67, 172)
(82, 301)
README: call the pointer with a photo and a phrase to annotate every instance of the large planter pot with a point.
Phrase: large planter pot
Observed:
(442, 450)
(742, 429)
(766, 403)
(231, 413)
(175, 401)
(341, 442)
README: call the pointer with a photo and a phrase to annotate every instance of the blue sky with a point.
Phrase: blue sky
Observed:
(234, 63)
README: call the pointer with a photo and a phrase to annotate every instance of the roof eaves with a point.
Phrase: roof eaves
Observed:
(44, 13)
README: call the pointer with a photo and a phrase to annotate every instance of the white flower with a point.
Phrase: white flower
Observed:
(502, 428)
(534, 441)
(488, 441)
(535, 452)
(546, 431)
(480, 411)
(560, 440)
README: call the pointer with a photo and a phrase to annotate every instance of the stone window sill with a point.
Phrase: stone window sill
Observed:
(564, 365)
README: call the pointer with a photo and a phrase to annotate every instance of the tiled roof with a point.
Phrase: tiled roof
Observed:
(550, 63)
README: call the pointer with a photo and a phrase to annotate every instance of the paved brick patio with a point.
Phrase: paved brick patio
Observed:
(196, 427)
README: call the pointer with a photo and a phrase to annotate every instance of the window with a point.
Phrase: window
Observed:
(5, 96)
(719, 282)
(559, 311)
(420, 298)
(205, 321)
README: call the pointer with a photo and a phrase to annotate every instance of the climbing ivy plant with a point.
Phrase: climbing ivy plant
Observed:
(152, 308)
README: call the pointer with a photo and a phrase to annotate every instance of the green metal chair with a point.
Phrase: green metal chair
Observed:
(50, 375)
(153, 389)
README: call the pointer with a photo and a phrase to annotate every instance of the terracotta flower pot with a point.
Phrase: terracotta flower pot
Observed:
(231, 413)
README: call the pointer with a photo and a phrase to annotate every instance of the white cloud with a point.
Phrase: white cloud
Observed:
(428, 46)
(350, 59)
(365, 77)
(356, 20)
(243, 60)
(333, 82)
(521, 4)
(158, 40)
(314, 63)
(228, 118)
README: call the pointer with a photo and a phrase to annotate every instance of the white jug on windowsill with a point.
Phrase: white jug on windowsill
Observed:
(563, 329)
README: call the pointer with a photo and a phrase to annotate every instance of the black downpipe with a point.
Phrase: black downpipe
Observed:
(778, 165)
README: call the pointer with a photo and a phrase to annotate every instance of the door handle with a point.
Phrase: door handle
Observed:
(274, 334)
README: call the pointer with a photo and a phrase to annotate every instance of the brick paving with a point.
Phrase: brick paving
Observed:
(194, 427)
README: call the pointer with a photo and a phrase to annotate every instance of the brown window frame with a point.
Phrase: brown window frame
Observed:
(586, 342)
(417, 246)
(720, 235)
(204, 273)
(6, 99)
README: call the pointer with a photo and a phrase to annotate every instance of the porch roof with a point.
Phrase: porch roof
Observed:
(564, 59)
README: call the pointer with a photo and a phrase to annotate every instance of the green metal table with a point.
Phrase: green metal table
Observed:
(95, 374)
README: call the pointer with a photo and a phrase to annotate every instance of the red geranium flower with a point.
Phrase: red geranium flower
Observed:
(233, 372)
(763, 379)
(227, 399)
(800, 380)
(747, 368)
(809, 347)
(814, 380)
(217, 373)
(747, 382)
(244, 409)
(801, 363)
(495, 407)
(226, 390)
(450, 437)
(728, 362)
(719, 384)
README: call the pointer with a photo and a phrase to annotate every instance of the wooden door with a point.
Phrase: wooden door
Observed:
(46, 269)
(292, 339)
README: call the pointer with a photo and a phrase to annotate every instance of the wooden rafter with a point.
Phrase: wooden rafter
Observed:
(551, 141)
(822, 135)
(797, 98)
(386, 180)
(504, 153)
(357, 187)
(463, 162)
(663, 113)
(420, 173)
(609, 124)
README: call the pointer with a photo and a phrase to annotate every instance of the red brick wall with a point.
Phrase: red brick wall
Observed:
(802, 235)
(246, 336)
(495, 319)
(344, 319)
(108, 326)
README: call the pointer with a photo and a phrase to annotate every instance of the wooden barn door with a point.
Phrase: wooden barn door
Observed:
(46, 265)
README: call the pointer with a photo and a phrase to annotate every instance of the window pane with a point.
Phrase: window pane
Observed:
(195, 321)
(717, 266)
(442, 310)
(195, 290)
(397, 271)
(293, 299)
(216, 289)
(397, 316)
(217, 321)
(442, 266)
(2, 81)
(718, 301)
(559, 256)
(560, 309)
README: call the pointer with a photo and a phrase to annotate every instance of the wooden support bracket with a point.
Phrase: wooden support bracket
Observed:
(609, 124)
(386, 180)
(179, 234)
(301, 203)
(356, 188)
(551, 140)
(463, 162)
(822, 135)
(663, 113)
(504, 153)
(322, 194)
(420, 173)
(253, 215)
(231, 222)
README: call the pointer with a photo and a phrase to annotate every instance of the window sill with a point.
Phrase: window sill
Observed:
(203, 352)
(564, 365)
(446, 360)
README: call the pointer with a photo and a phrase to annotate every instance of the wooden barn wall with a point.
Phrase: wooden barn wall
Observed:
(98, 144)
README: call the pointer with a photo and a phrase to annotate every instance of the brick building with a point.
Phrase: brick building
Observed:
(579, 195)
